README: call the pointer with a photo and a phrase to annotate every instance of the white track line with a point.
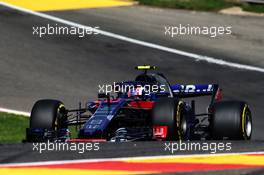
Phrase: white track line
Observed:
(124, 159)
(11, 111)
(139, 42)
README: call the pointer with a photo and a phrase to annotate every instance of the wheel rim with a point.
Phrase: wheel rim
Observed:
(57, 122)
(248, 125)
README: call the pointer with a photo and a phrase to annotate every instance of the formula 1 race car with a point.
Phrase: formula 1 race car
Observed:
(147, 108)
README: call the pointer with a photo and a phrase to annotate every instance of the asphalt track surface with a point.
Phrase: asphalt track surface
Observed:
(71, 68)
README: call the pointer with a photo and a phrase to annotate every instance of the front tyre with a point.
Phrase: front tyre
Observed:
(231, 120)
(48, 114)
(47, 118)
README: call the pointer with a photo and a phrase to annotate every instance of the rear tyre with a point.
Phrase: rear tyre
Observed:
(169, 112)
(48, 114)
(231, 120)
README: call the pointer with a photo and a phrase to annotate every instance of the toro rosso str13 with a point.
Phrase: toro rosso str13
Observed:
(162, 114)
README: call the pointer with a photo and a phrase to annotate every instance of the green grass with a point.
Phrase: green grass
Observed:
(201, 5)
(13, 128)
(253, 8)
(74, 132)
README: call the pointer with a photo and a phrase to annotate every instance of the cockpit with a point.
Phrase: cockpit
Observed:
(155, 79)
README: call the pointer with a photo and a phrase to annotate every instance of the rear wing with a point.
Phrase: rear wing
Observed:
(185, 91)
